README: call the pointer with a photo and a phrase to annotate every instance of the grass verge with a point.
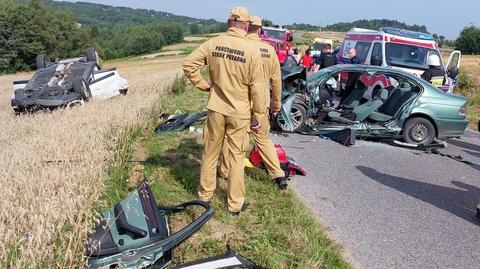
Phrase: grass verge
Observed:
(278, 232)
(469, 85)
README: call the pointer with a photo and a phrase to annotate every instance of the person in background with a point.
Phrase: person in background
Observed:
(236, 100)
(327, 58)
(352, 78)
(434, 74)
(306, 60)
(352, 54)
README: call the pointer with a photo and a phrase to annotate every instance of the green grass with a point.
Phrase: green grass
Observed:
(186, 51)
(278, 231)
(468, 85)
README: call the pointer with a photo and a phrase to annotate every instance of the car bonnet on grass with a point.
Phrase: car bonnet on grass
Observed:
(65, 83)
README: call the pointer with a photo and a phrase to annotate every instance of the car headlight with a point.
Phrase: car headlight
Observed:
(463, 110)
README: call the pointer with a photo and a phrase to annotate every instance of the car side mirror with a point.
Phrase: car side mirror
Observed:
(452, 72)
(290, 38)
(376, 60)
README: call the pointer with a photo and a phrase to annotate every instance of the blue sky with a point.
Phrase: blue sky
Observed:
(446, 18)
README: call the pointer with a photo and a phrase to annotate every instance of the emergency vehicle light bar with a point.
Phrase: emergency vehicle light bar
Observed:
(406, 33)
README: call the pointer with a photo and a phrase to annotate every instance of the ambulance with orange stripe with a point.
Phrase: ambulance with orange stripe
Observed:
(397, 48)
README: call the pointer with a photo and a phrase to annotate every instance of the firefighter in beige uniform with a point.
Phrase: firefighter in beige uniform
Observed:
(271, 74)
(235, 71)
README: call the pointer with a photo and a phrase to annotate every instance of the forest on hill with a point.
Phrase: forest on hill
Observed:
(66, 29)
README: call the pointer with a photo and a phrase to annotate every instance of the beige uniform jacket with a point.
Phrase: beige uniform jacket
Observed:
(271, 71)
(236, 72)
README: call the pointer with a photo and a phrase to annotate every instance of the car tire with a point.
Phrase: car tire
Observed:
(418, 130)
(92, 55)
(299, 113)
(79, 86)
(41, 61)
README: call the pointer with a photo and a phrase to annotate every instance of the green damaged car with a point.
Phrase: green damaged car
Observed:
(371, 100)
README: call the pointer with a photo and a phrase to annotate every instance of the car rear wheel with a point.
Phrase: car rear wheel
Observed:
(79, 86)
(41, 61)
(299, 116)
(418, 131)
(92, 55)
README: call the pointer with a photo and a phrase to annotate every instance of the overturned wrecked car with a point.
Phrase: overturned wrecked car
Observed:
(66, 82)
(405, 107)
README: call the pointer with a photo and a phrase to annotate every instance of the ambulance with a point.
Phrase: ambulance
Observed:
(398, 48)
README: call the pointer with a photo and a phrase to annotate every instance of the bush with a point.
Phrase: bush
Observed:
(28, 30)
(469, 40)
(464, 82)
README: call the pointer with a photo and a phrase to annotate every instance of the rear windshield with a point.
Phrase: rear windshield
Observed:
(408, 56)
(280, 35)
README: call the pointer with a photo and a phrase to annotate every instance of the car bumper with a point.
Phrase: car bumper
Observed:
(450, 128)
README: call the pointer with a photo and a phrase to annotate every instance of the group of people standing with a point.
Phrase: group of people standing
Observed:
(242, 69)
(327, 58)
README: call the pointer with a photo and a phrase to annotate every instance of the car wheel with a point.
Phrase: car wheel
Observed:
(79, 86)
(418, 131)
(41, 61)
(92, 55)
(299, 116)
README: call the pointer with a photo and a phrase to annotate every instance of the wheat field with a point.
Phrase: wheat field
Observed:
(52, 165)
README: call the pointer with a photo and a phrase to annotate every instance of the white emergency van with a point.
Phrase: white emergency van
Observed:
(400, 49)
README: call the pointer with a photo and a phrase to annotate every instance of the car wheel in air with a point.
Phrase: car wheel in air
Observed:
(418, 131)
(92, 55)
(41, 61)
(79, 86)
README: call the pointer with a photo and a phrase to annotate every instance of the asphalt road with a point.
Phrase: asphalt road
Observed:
(392, 207)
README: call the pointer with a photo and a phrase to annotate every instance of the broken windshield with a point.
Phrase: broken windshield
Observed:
(408, 56)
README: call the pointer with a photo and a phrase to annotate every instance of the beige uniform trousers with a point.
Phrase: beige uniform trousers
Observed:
(265, 147)
(234, 131)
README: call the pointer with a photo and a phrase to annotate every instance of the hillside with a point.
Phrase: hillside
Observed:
(90, 14)
(374, 25)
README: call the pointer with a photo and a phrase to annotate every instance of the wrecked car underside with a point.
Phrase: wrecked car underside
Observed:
(65, 83)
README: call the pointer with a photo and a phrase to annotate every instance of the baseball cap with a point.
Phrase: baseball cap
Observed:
(239, 14)
(255, 21)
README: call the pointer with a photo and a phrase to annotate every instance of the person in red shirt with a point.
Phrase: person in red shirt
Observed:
(306, 60)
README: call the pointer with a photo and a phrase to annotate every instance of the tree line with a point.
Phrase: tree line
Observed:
(29, 28)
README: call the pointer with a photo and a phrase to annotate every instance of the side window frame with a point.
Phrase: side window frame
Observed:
(363, 49)
(379, 51)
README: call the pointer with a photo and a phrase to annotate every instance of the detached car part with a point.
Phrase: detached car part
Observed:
(66, 82)
(179, 123)
(135, 233)
(229, 260)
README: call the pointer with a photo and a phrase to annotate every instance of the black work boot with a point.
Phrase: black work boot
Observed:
(245, 207)
(281, 183)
